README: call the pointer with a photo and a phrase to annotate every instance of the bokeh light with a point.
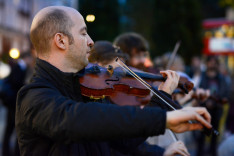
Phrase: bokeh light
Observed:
(14, 53)
(4, 70)
(90, 18)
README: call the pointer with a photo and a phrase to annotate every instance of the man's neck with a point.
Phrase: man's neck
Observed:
(59, 63)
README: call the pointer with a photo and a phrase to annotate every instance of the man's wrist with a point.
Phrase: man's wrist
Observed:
(168, 118)
(166, 91)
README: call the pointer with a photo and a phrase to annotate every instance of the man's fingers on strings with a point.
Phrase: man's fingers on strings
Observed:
(173, 73)
(175, 76)
(167, 73)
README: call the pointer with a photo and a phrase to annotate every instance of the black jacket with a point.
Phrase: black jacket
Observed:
(52, 119)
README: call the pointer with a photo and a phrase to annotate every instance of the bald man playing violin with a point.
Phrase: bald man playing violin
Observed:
(51, 115)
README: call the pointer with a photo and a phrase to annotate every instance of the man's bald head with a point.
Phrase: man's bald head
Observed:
(48, 22)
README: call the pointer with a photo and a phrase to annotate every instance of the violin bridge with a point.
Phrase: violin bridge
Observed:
(110, 69)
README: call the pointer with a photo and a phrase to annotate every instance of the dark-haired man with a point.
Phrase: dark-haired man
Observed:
(135, 46)
(51, 116)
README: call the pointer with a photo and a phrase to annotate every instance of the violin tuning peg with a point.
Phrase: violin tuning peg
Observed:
(96, 69)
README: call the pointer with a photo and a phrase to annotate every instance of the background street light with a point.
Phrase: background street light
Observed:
(14, 53)
(90, 18)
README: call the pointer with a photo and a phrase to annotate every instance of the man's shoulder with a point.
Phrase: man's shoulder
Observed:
(35, 85)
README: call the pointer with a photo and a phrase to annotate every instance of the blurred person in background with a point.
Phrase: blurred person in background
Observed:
(11, 85)
(177, 62)
(135, 46)
(213, 80)
(230, 117)
(104, 54)
(137, 49)
(192, 98)
(195, 70)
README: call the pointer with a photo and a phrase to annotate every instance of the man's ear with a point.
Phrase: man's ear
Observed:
(60, 41)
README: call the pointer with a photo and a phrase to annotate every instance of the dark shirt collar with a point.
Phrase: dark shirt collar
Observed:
(46, 64)
(46, 69)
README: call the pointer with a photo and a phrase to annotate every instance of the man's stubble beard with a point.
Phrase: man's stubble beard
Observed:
(76, 61)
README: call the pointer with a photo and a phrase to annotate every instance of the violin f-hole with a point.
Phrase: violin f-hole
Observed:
(111, 80)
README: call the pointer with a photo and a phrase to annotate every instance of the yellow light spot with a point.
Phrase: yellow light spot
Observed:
(14, 53)
(90, 18)
(218, 34)
(230, 34)
(224, 28)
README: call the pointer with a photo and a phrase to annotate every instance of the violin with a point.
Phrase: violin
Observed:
(114, 85)
(117, 85)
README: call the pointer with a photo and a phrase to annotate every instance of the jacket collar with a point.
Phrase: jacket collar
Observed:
(46, 69)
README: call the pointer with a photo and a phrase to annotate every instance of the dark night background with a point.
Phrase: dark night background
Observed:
(161, 22)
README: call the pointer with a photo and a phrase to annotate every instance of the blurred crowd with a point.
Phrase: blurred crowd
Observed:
(213, 87)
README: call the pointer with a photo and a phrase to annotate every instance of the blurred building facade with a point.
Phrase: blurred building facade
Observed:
(15, 21)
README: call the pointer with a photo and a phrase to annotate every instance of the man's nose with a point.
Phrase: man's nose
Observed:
(90, 41)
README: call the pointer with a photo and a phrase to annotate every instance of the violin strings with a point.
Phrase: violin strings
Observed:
(142, 82)
(129, 70)
(125, 67)
(133, 75)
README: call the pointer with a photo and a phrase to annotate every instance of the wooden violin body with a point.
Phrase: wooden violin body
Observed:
(100, 83)
(120, 87)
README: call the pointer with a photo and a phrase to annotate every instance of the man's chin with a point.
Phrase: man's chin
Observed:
(86, 62)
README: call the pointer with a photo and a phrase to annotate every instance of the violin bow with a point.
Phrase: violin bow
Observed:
(127, 69)
(173, 55)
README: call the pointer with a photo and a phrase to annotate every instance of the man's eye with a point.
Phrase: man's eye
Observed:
(84, 34)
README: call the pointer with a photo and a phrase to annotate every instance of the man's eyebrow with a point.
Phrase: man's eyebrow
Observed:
(84, 28)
